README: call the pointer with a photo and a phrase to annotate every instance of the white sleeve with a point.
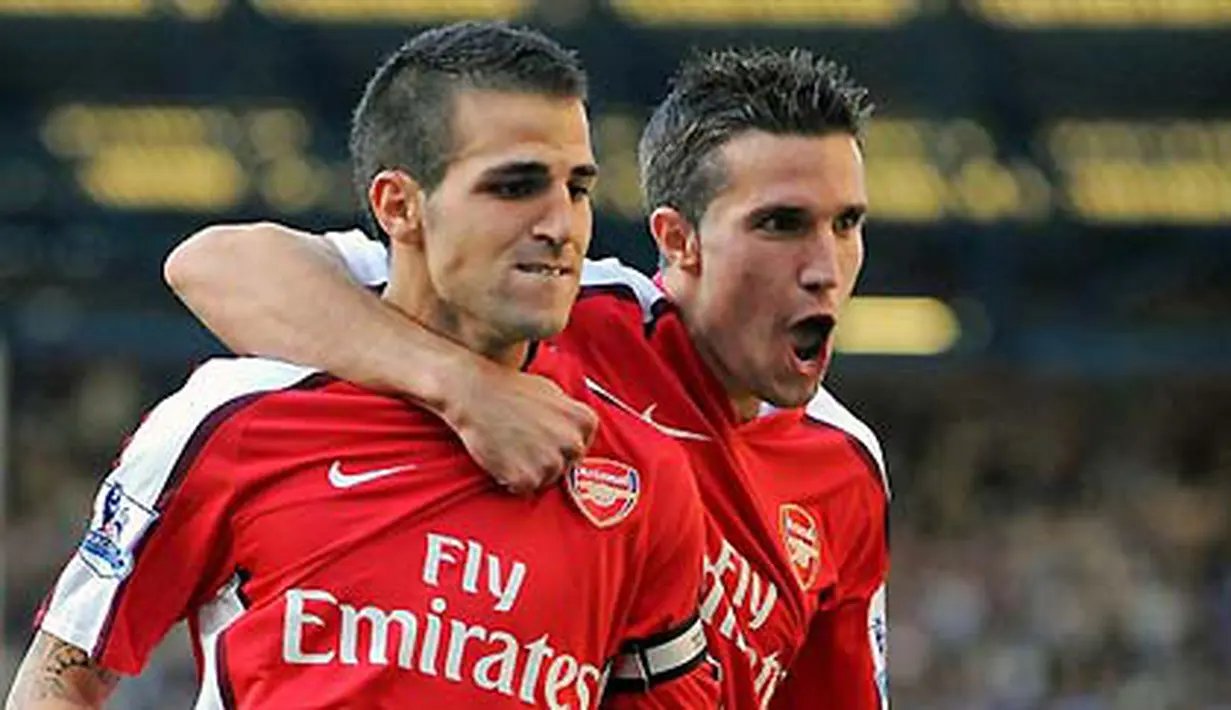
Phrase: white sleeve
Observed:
(366, 259)
(103, 602)
(826, 408)
(600, 273)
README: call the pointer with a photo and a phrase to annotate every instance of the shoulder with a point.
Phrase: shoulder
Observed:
(180, 429)
(223, 383)
(222, 387)
(611, 276)
(213, 394)
(269, 411)
(826, 409)
(366, 259)
(661, 461)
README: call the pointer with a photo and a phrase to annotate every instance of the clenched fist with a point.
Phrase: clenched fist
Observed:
(521, 428)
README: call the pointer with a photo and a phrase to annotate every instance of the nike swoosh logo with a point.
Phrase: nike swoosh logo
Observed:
(340, 479)
(647, 415)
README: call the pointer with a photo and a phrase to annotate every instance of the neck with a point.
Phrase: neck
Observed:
(746, 408)
(410, 291)
(679, 290)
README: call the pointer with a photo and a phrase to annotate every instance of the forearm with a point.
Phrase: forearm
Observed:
(59, 676)
(268, 290)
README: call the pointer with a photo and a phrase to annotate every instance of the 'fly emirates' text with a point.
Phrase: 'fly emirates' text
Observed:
(434, 644)
(735, 604)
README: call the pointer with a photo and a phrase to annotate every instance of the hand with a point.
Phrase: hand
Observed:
(522, 429)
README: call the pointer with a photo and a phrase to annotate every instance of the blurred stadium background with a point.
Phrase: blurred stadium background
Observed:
(1044, 342)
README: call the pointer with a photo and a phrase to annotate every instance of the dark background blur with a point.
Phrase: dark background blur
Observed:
(1047, 361)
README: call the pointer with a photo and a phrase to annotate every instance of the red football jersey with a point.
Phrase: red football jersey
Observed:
(797, 503)
(796, 500)
(336, 548)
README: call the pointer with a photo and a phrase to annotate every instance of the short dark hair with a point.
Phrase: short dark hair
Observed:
(404, 119)
(716, 96)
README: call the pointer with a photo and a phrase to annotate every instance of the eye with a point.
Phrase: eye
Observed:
(579, 192)
(783, 222)
(848, 221)
(515, 189)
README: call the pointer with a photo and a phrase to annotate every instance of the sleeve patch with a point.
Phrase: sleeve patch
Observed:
(116, 528)
(878, 633)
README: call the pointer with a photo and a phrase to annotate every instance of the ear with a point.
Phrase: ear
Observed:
(396, 201)
(677, 239)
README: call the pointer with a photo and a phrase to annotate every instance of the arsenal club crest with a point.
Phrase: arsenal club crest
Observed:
(605, 491)
(802, 539)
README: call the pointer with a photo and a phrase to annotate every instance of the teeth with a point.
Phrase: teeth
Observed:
(543, 269)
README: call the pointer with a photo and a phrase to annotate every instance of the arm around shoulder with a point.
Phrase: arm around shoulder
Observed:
(245, 281)
(270, 290)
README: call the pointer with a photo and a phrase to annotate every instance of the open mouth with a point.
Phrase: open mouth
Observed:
(808, 336)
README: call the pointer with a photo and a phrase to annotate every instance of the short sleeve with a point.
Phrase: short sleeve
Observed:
(158, 541)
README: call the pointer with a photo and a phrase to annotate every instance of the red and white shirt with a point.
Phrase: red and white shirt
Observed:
(336, 548)
(797, 500)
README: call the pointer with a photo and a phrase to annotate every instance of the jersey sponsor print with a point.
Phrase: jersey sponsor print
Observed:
(796, 500)
(335, 548)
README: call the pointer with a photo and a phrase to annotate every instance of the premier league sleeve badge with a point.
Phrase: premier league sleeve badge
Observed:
(116, 527)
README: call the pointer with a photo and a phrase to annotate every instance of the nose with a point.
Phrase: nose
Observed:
(557, 223)
(820, 273)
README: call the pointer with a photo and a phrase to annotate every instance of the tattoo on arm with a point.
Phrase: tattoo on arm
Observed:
(56, 670)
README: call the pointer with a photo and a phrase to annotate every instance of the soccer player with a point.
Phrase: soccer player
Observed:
(752, 167)
(333, 547)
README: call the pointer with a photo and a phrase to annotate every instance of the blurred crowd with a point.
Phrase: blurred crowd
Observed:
(1058, 543)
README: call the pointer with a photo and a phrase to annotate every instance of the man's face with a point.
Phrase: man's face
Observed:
(780, 248)
(507, 228)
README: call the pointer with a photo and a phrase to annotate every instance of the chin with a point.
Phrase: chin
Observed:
(793, 395)
(543, 328)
